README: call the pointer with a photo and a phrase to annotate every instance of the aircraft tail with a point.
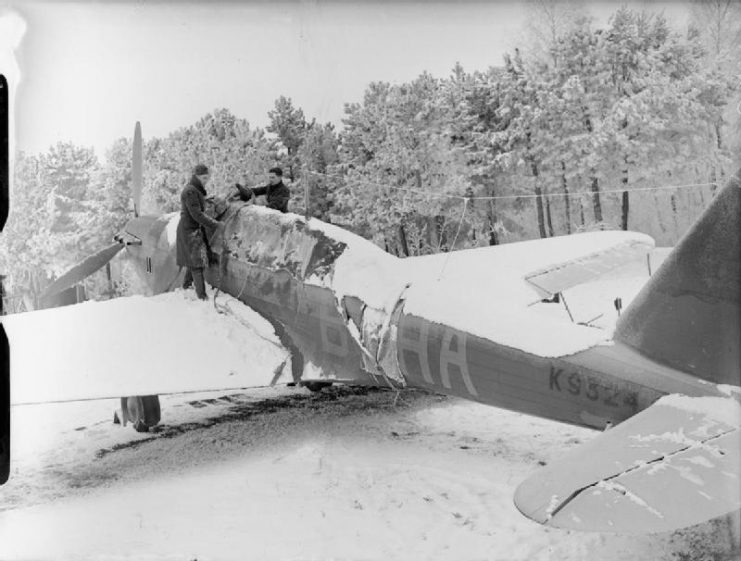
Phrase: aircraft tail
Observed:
(688, 316)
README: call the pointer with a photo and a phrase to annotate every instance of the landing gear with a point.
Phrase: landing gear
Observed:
(316, 386)
(142, 411)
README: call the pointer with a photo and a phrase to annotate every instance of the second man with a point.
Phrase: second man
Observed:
(276, 192)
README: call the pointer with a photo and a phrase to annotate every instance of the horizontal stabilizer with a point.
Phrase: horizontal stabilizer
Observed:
(557, 278)
(674, 465)
(165, 344)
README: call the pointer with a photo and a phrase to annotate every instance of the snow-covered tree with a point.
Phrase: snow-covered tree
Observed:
(229, 146)
(401, 165)
(628, 106)
(289, 125)
(318, 156)
(47, 232)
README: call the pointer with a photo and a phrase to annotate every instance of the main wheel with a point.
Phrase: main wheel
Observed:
(143, 411)
(317, 386)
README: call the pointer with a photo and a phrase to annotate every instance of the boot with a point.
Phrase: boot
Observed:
(199, 283)
(188, 279)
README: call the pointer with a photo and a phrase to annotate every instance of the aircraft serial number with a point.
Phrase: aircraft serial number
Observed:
(592, 388)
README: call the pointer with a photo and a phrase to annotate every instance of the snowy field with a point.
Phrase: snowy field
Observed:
(286, 474)
(281, 473)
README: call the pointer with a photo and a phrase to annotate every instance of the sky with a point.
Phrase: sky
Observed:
(87, 71)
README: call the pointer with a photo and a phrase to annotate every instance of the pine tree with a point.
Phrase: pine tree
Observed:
(289, 125)
(46, 232)
(232, 150)
(718, 25)
(401, 163)
(319, 157)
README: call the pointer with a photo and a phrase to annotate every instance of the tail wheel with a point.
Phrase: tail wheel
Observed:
(143, 411)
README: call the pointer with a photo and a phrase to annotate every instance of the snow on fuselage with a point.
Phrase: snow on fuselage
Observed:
(459, 324)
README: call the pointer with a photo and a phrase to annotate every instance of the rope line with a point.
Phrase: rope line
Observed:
(601, 192)
(522, 196)
(455, 239)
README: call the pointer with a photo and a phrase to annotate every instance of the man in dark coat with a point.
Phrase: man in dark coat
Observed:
(194, 230)
(276, 193)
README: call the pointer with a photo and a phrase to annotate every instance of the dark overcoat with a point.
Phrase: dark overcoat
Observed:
(195, 226)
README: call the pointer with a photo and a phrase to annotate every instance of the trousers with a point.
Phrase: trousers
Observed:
(194, 276)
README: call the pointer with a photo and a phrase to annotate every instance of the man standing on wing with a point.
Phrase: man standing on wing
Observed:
(194, 230)
(276, 193)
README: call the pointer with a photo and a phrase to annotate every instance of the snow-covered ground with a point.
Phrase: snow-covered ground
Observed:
(281, 473)
(284, 474)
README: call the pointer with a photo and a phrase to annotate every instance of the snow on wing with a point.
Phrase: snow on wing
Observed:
(674, 465)
(138, 346)
(484, 291)
(548, 265)
(557, 278)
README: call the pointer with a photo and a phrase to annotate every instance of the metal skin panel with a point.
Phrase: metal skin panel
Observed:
(161, 273)
(627, 364)
(599, 387)
(445, 360)
(267, 275)
(307, 314)
(263, 263)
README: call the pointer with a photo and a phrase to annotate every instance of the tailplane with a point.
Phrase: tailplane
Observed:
(688, 316)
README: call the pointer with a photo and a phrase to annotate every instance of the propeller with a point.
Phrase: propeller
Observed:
(82, 270)
(137, 177)
(94, 262)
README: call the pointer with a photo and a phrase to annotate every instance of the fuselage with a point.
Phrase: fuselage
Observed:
(284, 269)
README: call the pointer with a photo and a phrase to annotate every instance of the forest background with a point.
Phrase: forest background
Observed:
(631, 126)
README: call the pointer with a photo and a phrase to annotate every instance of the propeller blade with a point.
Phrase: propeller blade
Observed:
(137, 179)
(82, 270)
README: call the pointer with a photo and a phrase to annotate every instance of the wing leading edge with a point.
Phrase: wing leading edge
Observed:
(139, 346)
(671, 466)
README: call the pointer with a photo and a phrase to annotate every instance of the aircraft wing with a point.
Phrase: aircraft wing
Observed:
(547, 266)
(673, 465)
(590, 266)
(139, 346)
(495, 292)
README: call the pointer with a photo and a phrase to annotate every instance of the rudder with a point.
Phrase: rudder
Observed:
(688, 316)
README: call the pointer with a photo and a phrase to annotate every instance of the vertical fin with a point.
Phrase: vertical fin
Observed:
(688, 316)
(136, 170)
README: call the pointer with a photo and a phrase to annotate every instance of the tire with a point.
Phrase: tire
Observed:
(317, 386)
(140, 426)
(143, 411)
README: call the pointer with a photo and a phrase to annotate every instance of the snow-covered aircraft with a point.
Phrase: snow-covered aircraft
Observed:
(666, 382)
